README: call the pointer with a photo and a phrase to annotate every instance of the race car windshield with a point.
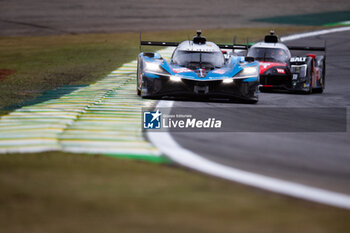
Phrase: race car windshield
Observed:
(198, 58)
(268, 54)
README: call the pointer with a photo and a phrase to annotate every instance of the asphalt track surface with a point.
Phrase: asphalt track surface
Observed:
(317, 159)
(39, 17)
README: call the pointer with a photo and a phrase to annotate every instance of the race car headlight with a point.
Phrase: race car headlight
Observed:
(153, 67)
(175, 78)
(251, 71)
(228, 80)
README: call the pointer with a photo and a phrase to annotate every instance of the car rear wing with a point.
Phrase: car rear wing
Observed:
(273, 38)
(234, 46)
(174, 44)
(158, 43)
(231, 46)
(307, 48)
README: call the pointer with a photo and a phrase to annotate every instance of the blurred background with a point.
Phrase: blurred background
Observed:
(39, 17)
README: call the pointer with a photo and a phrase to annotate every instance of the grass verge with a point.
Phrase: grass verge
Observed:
(57, 192)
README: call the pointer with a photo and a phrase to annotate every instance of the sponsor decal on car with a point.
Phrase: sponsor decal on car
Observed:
(181, 70)
(267, 65)
(219, 71)
(298, 59)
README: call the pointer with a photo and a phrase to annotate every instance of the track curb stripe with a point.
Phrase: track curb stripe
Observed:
(102, 118)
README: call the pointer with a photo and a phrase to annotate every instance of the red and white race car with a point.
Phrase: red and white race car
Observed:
(279, 70)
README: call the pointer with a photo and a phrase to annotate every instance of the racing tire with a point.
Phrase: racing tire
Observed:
(244, 101)
(251, 101)
(144, 91)
(138, 73)
(323, 80)
(266, 90)
(309, 78)
(309, 91)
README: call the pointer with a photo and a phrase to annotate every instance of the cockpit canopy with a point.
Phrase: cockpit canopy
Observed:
(198, 59)
(269, 54)
(198, 53)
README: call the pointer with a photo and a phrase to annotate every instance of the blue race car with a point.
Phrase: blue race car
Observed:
(198, 68)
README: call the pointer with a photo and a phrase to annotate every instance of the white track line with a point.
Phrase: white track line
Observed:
(315, 33)
(166, 143)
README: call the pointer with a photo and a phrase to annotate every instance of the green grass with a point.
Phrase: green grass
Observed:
(47, 62)
(56, 192)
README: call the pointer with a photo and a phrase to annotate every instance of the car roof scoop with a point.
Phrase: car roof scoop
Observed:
(198, 39)
(272, 38)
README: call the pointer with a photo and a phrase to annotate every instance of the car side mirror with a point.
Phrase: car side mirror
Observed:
(249, 59)
(152, 55)
(312, 56)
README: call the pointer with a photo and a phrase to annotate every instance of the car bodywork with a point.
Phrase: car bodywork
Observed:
(280, 70)
(197, 68)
